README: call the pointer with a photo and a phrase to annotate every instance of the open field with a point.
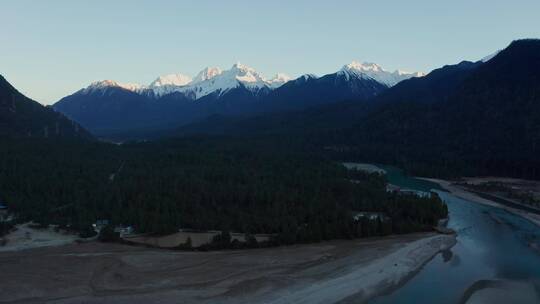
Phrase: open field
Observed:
(197, 239)
(316, 273)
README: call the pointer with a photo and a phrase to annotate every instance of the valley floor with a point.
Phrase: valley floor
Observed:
(326, 272)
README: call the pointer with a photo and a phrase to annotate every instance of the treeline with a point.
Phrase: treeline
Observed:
(248, 185)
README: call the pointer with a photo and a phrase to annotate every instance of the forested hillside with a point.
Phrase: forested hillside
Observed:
(21, 116)
(254, 186)
(489, 124)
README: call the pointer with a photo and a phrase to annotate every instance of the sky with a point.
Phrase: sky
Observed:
(50, 49)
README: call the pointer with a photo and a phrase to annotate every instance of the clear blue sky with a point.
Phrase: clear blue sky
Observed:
(49, 49)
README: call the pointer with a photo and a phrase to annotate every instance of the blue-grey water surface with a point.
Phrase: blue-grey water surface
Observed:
(491, 244)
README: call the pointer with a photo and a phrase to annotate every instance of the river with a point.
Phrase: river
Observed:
(492, 244)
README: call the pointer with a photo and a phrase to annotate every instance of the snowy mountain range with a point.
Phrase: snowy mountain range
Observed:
(108, 106)
(214, 80)
(208, 81)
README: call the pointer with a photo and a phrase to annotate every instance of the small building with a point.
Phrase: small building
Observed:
(422, 194)
(100, 224)
(392, 188)
(4, 210)
(371, 216)
(404, 191)
(124, 230)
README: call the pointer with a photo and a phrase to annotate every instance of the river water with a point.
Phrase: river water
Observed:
(492, 244)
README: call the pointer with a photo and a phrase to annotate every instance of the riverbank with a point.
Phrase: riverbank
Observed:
(467, 195)
(325, 272)
(499, 289)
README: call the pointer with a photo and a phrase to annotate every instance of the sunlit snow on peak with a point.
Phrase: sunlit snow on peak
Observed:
(171, 79)
(207, 73)
(103, 84)
(213, 80)
(374, 71)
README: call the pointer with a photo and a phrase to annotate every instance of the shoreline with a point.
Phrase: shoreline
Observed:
(325, 272)
(388, 274)
(470, 196)
(406, 278)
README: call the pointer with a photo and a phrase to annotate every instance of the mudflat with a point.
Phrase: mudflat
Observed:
(314, 273)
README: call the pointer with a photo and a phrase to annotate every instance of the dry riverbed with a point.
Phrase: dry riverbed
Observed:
(316, 273)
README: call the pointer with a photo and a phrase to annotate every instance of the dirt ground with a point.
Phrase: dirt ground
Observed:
(197, 239)
(112, 273)
(26, 237)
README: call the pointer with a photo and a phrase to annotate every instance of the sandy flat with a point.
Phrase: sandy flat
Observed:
(25, 237)
(316, 273)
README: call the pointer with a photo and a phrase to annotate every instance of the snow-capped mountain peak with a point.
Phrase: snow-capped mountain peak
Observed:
(167, 84)
(245, 75)
(214, 80)
(363, 67)
(242, 67)
(208, 81)
(103, 84)
(375, 72)
(279, 80)
(207, 73)
(171, 79)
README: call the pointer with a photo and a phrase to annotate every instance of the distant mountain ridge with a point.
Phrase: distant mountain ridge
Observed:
(173, 100)
(214, 80)
(211, 80)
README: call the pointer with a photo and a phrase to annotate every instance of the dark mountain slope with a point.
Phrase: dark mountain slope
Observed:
(437, 86)
(469, 118)
(307, 92)
(115, 111)
(489, 123)
(333, 114)
(20, 116)
(115, 108)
